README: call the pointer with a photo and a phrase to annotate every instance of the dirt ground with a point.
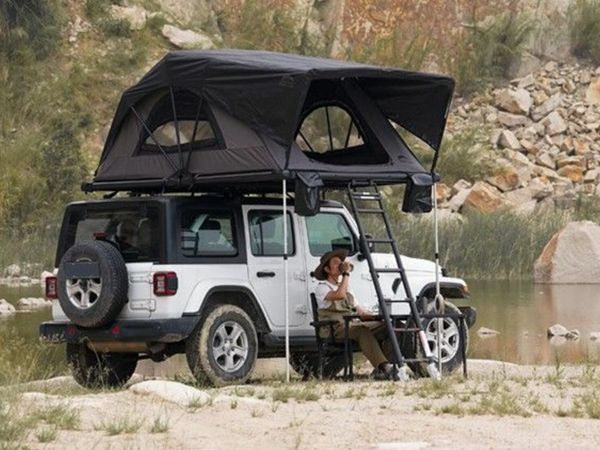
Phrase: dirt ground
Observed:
(499, 406)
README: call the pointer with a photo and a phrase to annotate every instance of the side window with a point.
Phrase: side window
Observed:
(328, 128)
(207, 233)
(189, 132)
(328, 231)
(266, 233)
(133, 231)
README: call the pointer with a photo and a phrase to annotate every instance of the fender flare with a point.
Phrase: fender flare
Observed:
(254, 308)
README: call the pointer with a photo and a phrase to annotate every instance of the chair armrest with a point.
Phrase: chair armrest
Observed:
(323, 323)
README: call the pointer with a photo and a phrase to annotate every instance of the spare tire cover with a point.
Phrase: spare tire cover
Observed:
(92, 283)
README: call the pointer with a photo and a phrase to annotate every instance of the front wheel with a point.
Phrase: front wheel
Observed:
(94, 370)
(223, 347)
(449, 345)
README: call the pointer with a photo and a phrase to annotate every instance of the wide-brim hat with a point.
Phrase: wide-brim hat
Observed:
(319, 273)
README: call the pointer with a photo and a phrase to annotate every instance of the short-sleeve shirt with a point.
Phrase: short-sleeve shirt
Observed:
(324, 288)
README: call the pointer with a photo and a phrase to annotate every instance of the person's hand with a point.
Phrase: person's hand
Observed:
(345, 267)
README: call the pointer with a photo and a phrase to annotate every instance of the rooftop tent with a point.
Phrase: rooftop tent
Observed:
(207, 119)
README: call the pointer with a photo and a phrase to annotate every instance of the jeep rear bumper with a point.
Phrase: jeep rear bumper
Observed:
(162, 330)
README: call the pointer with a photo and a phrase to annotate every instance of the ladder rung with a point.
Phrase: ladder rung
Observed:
(366, 196)
(406, 330)
(404, 300)
(379, 240)
(388, 270)
(415, 360)
(369, 211)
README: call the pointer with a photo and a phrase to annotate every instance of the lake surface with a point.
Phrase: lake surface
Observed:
(520, 311)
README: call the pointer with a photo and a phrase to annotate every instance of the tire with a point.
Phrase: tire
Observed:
(93, 303)
(95, 370)
(223, 347)
(307, 364)
(451, 354)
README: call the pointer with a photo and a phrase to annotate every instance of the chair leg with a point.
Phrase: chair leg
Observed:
(320, 358)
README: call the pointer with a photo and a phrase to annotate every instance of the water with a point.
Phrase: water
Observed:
(520, 311)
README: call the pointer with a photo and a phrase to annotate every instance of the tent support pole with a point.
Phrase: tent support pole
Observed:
(439, 298)
(285, 284)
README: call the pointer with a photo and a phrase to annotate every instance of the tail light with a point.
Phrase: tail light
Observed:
(51, 288)
(165, 283)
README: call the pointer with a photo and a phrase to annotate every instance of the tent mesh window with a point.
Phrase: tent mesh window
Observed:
(190, 119)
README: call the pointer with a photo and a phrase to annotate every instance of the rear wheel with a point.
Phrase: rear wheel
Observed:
(307, 364)
(223, 348)
(92, 283)
(94, 370)
(450, 343)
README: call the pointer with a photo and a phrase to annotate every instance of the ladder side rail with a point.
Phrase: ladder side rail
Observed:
(380, 297)
(413, 306)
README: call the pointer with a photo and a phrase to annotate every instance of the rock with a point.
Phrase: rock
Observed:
(509, 140)
(460, 185)
(517, 102)
(442, 192)
(557, 330)
(483, 331)
(570, 161)
(592, 94)
(573, 335)
(547, 107)
(511, 120)
(135, 16)
(527, 208)
(572, 172)
(6, 309)
(540, 188)
(581, 148)
(571, 256)
(171, 391)
(13, 271)
(483, 198)
(544, 159)
(186, 38)
(595, 336)
(31, 303)
(526, 81)
(457, 202)
(519, 196)
(554, 123)
(592, 176)
(506, 178)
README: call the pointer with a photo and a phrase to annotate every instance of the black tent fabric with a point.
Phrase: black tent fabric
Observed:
(251, 105)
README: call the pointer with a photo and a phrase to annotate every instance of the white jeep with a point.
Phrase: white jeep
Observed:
(153, 276)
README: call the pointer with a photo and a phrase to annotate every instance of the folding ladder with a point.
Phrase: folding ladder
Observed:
(368, 193)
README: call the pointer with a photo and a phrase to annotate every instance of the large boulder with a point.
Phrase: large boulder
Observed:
(571, 256)
(31, 303)
(6, 309)
(517, 102)
(592, 94)
(186, 38)
(13, 271)
(483, 198)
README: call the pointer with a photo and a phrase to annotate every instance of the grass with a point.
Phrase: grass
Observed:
(120, 425)
(300, 394)
(60, 416)
(160, 425)
(46, 435)
(584, 28)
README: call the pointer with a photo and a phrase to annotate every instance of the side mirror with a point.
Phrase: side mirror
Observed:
(371, 246)
(418, 194)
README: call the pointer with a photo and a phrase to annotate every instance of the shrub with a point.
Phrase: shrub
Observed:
(29, 27)
(584, 27)
(488, 49)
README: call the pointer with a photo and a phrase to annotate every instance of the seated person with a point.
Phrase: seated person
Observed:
(334, 301)
(126, 235)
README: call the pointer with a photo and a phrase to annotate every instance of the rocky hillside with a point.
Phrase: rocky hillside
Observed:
(545, 131)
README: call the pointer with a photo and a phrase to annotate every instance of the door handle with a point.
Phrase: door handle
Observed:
(265, 274)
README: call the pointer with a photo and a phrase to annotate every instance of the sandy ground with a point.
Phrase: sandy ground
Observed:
(526, 408)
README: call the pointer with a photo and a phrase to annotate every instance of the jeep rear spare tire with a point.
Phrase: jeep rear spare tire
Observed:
(92, 283)
(223, 347)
